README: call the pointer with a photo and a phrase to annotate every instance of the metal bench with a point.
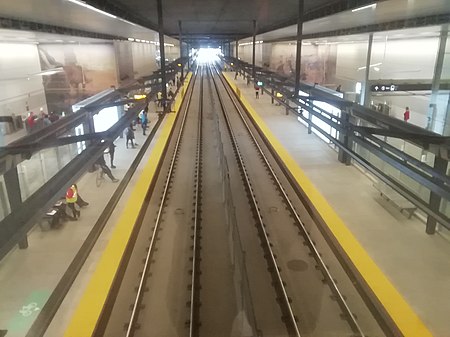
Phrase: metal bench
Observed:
(396, 198)
(54, 217)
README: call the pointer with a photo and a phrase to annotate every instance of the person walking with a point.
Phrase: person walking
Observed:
(102, 163)
(257, 92)
(71, 200)
(129, 132)
(111, 150)
(406, 115)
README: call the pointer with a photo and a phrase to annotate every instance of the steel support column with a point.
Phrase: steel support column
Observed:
(254, 51)
(345, 138)
(181, 51)
(440, 165)
(162, 54)
(298, 56)
(188, 57)
(432, 109)
(365, 92)
(15, 199)
(237, 49)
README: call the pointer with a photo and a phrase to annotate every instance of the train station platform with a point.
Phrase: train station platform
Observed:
(29, 276)
(414, 263)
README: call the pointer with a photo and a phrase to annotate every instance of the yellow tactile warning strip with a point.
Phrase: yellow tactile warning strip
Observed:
(89, 309)
(401, 313)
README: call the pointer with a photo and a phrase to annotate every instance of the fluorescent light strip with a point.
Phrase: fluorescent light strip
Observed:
(49, 72)
(129, 22)
(83, 4)
(371, 66)
(364, 7)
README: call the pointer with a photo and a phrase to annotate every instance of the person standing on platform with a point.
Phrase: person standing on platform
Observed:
(71, 200)
(406, 115)
(111, 150)
(31, 121)
(129, 132)
(144, 120)
(257, 92)
(159, 98)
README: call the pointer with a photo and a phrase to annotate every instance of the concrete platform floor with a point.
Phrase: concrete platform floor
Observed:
(28, 276)
(417, 264)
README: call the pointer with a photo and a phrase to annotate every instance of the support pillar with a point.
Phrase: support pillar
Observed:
(345, 138)
(254, 51)
(162, 54)
(440, 165)
(181, 51)
(237, 49)
(433, 108)
(189, 57)
(298, 56)
(15, 199)
(365, 92)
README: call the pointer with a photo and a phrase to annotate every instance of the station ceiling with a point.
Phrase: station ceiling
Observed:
(223, 18)
(210, 20)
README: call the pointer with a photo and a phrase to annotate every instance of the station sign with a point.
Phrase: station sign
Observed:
(384, 87)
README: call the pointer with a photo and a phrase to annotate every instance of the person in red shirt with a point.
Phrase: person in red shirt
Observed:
(31, 121)
(406, 115)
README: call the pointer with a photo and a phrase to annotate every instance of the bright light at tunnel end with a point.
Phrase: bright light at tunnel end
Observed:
(208, 55)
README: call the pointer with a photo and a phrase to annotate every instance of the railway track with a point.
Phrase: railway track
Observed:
(226, 247)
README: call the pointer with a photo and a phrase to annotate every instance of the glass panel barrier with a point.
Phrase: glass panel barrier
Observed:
(43, 165)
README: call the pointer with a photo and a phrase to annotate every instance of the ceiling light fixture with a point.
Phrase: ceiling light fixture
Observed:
(129, 22)
(371, 66)
(49, 72)
(130, 39)
(83, 4)
(364, 7)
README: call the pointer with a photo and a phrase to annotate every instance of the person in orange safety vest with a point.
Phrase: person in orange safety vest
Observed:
(71, 200)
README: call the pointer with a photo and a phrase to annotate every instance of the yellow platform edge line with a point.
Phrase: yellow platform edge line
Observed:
(89, 309)
(401, 313)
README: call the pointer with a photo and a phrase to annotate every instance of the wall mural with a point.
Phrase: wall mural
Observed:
(87, 70)
(318, 63)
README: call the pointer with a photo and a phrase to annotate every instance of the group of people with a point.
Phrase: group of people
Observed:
(34, 122)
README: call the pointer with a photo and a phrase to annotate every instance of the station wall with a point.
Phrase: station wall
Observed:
(86, 69)
(342, 62)
(20, 89)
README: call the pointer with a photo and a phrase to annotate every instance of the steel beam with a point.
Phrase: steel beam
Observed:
(162, 54)
(298, 55)
(440, 165)
(254, 51)
(181, 50)
(364, 99)
(435, 85)
(13, 190)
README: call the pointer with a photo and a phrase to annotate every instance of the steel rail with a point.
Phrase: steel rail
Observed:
(332, 283)
(258, 214)
(135, 310)
(195, 250)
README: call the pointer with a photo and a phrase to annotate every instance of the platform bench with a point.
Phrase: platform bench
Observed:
(52, 218)
(396, 198)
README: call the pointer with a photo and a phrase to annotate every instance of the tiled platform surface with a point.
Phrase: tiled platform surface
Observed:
(417, 264)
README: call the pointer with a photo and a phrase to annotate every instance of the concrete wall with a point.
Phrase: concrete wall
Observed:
(144, 59)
